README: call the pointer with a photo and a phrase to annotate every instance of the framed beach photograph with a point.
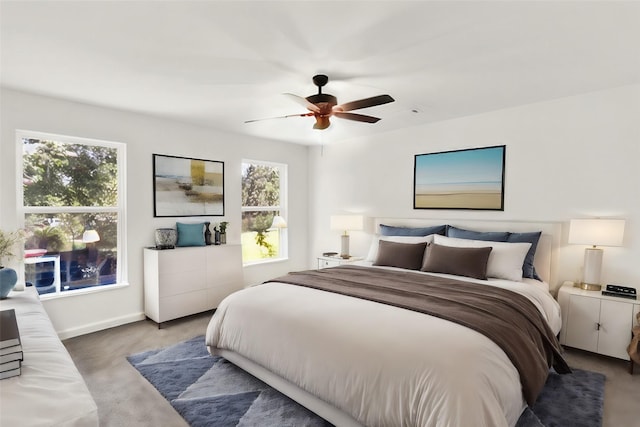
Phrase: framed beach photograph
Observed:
(460, 179)
(187, 187)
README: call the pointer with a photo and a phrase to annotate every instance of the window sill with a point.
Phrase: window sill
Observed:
(84, 291)
(266, 261)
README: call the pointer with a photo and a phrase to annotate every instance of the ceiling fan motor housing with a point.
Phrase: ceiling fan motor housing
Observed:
(322, 98)
(324, 101)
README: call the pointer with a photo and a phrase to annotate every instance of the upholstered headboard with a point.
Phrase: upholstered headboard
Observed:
(545, 260)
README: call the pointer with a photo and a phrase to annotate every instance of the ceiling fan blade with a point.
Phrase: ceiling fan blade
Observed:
(280, 117)
(303, 101)
(364, 103)
(356, 117)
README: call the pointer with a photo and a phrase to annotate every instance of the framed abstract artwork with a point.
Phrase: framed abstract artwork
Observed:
(184, 186)
(460, 179)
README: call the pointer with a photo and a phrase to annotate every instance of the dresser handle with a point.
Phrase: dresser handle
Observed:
(597, 326)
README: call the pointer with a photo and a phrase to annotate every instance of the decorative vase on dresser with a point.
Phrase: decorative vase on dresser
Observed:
(8, 280)
(223, 232)
(166, 238)
(207, 233)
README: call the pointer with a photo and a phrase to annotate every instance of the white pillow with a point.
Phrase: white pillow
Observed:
(505, 259)
(373, 249)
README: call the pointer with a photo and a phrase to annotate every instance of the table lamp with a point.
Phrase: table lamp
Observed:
(594, 232)
(346, 223)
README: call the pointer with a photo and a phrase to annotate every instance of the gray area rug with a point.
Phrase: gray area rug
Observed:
(211, 392)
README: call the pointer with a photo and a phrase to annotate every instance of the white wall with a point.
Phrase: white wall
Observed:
(567, 158)
(144, 135)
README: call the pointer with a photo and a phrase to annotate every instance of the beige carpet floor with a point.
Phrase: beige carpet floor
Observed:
(125, 398)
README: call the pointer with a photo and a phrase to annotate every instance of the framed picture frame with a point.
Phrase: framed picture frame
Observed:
(460, 179)
(184, 186)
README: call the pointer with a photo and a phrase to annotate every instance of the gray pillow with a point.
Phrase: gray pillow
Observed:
(391, 230)
(468, 262)
(401, 255)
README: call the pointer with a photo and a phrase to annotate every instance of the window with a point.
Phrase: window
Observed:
(72, 200)
(263, 198)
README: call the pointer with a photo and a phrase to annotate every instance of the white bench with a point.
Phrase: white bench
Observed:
(50, 390)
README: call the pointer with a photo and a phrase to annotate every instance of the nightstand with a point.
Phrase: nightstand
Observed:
(334, 261)
(595, 322)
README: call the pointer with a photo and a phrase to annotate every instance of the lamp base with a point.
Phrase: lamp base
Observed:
(592, 266)
(344, 250)
(587, 286)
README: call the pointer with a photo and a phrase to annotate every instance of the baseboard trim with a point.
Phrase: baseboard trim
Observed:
(99, 326)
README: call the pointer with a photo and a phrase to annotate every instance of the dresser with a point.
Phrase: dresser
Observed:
(188, 280)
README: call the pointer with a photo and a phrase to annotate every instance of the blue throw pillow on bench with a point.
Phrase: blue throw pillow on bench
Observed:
(190, 234)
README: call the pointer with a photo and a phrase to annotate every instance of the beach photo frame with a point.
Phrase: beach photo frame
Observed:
(184, 186)
(460, 179)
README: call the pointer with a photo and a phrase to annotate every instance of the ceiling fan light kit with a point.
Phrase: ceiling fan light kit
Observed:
(323, 105)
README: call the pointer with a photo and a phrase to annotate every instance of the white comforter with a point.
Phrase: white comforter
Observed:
(384, 365)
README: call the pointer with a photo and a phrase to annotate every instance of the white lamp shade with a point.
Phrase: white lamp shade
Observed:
(347, 222)
(278, 222)
(596, 232)
(90, 236)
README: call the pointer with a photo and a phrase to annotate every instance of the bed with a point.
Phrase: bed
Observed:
(358, 362)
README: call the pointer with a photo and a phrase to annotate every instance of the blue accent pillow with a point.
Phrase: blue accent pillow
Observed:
(390, 230)
(492, 236)
(190, 234)
(528, 270)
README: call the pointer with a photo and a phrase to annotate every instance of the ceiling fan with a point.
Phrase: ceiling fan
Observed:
(322, 106)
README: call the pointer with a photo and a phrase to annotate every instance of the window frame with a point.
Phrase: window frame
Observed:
(283, 254)
(119, 210)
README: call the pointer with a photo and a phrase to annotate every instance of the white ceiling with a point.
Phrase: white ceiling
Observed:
(218, 64)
